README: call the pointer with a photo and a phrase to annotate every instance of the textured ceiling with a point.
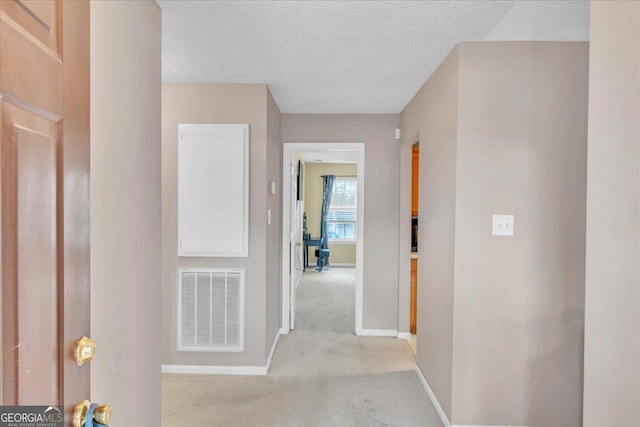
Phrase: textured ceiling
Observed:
(344, 56)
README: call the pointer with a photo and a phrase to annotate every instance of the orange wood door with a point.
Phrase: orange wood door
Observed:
(44, 115)
(414, 297)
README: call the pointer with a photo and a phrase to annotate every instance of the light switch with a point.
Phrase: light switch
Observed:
(503, 225)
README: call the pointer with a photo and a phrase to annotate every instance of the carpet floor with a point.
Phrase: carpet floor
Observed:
(321, 374)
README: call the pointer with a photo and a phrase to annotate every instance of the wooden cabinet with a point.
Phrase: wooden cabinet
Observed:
(414, 295)
(415, 175)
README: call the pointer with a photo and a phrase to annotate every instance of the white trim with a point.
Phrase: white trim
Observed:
(341, 264)
(276, 340)
(404, 336)
(225, 370)
(377, 332)
(214, 370)
(432, 397)
(288, 149)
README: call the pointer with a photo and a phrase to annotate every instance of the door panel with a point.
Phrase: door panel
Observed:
(39, 20)
(29, 175)
(44, 115)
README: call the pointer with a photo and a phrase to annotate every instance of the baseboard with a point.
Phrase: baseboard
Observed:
(377, 332)
(432, 397)
(404, 336)
(224, 370)
(214, 370)
(340, 264)
(276, 340)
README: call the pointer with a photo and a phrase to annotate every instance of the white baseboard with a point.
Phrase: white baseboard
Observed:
(377, 332)
(340, 264)
(273, 349)
(432, 397)
(224, 370)
(214, 370)
(404, 336)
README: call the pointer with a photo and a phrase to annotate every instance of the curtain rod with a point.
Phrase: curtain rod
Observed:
(341, 176)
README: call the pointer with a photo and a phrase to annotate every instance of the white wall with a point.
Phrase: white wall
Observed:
(612, 324)
(125, 209)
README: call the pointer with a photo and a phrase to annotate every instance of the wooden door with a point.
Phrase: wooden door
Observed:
(295, 244)
(44, 115)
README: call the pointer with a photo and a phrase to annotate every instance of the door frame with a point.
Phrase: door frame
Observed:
(287, 199)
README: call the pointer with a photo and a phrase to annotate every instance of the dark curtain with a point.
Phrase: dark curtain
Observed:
(327, 189)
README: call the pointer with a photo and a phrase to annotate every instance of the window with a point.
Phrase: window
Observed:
(341, 219)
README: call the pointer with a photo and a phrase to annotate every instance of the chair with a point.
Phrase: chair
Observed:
(322, 255)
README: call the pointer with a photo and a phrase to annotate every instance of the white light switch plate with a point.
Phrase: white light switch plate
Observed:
(503, 225)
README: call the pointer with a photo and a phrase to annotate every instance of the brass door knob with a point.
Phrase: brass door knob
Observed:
(80, 413)
(102, 414)
(99, 414)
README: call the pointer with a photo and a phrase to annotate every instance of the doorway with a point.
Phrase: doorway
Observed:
(293, 219)
(415, 185)
(409, 209)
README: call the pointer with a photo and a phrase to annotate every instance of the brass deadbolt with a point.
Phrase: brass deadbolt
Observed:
(85, 350)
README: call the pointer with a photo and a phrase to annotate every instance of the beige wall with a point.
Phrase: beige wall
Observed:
(274, 231)
(125, 209)
(612, 324)
(376, 131)
(502, 130)
(519, 301)
(431, 118)
(222, 103)
(341, 253)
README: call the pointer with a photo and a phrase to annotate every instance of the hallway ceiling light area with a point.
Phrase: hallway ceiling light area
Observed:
(345, 56)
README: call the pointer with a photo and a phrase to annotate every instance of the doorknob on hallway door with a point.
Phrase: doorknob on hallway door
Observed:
(298, 244)
(87, 414)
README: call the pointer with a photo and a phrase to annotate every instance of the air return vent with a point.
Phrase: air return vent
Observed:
(211, 310)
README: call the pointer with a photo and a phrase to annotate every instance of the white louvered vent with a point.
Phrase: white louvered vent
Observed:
(211, 310)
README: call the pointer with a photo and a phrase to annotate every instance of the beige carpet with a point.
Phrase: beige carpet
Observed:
(321, 375)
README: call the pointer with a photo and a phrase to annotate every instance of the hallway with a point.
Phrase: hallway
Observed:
(321, 375)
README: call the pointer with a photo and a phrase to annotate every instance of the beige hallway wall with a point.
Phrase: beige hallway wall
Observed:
(502, 130)
(274, 230)
(125, 209)
(612, 329)
(376, 131)
(220, 103)
(519, 301)
(431, 118)
(341, 253)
